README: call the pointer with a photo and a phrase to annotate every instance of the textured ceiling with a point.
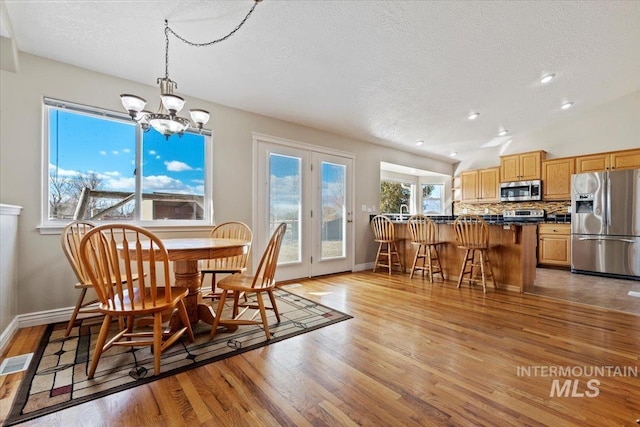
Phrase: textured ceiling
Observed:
(390, 72)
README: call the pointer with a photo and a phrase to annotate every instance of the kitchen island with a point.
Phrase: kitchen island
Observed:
(512, 253)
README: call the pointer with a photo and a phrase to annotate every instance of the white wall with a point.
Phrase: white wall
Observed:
(45, 280)
(608, 127)
(8, 268)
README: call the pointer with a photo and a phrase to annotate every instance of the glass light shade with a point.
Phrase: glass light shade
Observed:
(132, 103)
(199, 117)
(168, 125)
(173, 103)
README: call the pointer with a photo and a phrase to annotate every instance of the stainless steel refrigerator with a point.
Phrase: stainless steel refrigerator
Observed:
(605, 223)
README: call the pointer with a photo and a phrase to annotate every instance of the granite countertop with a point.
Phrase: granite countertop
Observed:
(449, 219)
(489, 219)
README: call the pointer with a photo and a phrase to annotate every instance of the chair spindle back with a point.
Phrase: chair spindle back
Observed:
(383, 229)
(265, 274)
(422, 229)
(471, 231)
(115, 254)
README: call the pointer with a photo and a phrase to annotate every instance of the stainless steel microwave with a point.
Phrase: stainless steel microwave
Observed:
(520, 191)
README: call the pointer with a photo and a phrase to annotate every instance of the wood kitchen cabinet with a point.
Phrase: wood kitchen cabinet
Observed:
(480, 185)
(556, 178)
(625, 159)
(521, 167)
(554, 244)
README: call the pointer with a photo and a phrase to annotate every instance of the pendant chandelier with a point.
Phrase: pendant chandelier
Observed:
(166, 120)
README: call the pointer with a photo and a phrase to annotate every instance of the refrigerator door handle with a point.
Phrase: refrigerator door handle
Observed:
(608, 201)
(608, 238)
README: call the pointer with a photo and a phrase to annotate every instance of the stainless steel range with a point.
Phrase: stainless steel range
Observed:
(523, 215)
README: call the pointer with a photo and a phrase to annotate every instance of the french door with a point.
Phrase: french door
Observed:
(311, 191)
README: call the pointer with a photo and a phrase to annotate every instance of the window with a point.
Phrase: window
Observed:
(102, 167)
(395, 196)
(432, 199)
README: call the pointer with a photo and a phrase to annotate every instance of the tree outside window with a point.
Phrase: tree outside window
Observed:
(393, 195)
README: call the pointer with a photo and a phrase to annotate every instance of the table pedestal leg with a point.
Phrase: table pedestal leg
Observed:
(187, 275)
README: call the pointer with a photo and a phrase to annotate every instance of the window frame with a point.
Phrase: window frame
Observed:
(441, 198)
(53, 226)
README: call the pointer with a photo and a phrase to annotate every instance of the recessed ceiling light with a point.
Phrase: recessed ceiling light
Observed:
(419, 142)
(503, 132)
(566, 105)
(473, 116)
(453, 154)
(547, 78)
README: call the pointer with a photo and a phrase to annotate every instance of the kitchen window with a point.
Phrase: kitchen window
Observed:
(432, 199)
(100, 166)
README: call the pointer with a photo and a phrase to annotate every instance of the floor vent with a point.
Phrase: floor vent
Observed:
(14, 364)
(634, 294)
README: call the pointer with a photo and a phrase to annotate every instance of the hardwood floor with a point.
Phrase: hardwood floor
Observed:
(415, 353)
(598, 291)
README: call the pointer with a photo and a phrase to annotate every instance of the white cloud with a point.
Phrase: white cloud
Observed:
(152, 152)
(103, 153)
(176, 166)
(119, 184)
(62, 172)
(285, 192)
(166, 184)
(115, 152)
(126, 150)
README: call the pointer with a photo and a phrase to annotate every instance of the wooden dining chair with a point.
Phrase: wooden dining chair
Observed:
(424, 236)
(72, 234)
(229, 265)
(121, 250)
(472, 235)
(259, 284)
(384, 233)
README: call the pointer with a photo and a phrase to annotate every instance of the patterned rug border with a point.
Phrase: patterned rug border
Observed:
(14, 416)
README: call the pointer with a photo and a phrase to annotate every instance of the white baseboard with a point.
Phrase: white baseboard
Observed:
(363, 267)
(45, 317)
(8, 333)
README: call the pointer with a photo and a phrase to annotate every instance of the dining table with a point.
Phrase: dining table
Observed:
(185, 254)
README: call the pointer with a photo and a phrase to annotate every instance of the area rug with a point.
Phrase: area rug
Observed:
(57, 376)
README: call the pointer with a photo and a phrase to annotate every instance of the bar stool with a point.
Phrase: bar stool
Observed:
(472, 234)
(384, 233)
(423, 235)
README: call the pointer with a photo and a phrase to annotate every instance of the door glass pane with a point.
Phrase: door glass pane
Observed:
(285, 203)
(173, 176)
(333, 215)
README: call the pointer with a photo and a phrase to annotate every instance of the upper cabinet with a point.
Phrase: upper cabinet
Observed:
(556, 178)
(521, 167)
(481, 185)
(626, 159)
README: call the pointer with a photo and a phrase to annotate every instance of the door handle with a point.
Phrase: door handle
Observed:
(604, 238)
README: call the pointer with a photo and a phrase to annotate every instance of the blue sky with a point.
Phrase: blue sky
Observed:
(285, 181)
(83, 144)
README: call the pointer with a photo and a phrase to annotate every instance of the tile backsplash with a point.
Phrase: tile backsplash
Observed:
(559, 207)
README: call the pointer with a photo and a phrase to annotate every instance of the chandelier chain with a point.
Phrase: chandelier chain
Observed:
(168, 29)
